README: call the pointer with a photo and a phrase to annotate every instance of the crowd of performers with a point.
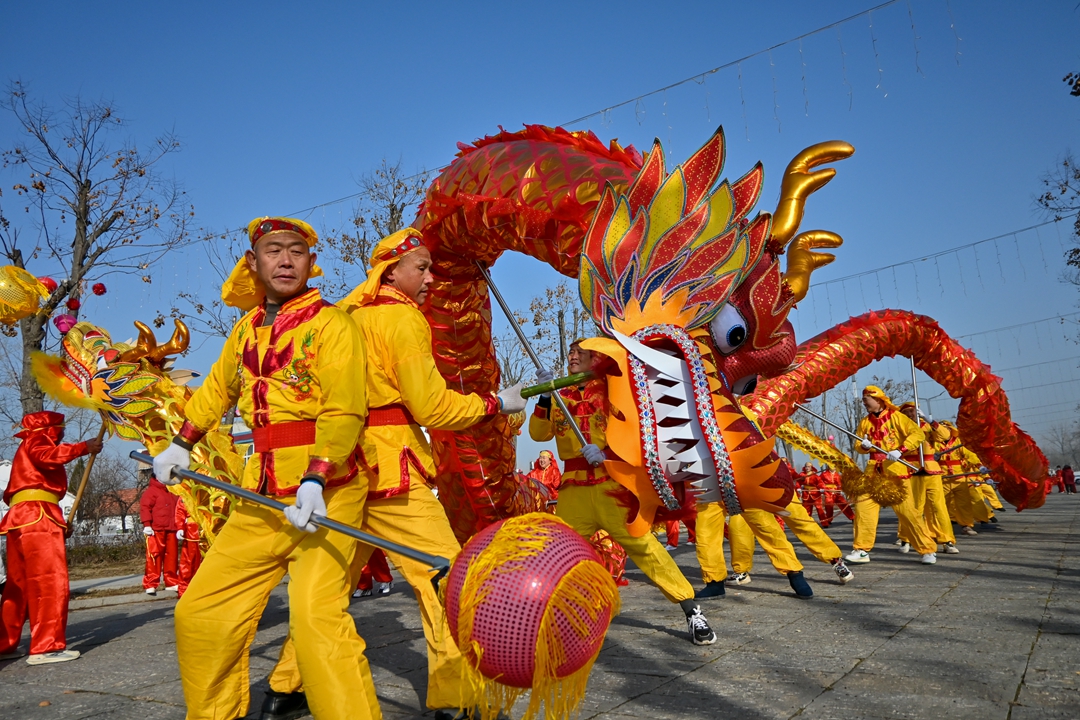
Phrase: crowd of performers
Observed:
(342, 435)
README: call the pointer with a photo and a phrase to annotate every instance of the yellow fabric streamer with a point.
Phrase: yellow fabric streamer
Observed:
(389, 250)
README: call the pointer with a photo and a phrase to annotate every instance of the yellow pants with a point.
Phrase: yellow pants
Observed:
(218, 615)
(588, 508)
(419, 521)
(979, 509)
(763, 526)
(991, 496)
(709, 545)
(912, 526)
(928, 495)
(958, 500)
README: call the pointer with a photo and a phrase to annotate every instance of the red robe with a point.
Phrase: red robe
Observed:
(37, 587)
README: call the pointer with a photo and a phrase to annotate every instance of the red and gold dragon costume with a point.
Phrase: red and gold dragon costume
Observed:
(537, 191)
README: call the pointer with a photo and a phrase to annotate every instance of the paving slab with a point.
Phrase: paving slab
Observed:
(991, 633)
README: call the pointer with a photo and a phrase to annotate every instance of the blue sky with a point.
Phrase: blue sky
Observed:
(281, 107)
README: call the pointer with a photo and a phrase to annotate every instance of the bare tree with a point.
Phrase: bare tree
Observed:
(558, 319)
(1061, 199)
(1062, 443)
(387, 202)
(93, 205)
(211, 318)
(113, 490)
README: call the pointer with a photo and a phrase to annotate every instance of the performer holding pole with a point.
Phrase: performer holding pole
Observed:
(887, 434)
(406, 393)
(37, 586)
(294, 366)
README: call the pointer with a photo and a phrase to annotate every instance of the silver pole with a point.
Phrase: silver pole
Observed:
(440, 564)
(831, 424)
(918, 420)
(532, 355)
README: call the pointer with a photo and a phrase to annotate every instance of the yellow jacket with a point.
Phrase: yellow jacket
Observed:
(402, 376)
(889, 430)
(298, 385)
(588, 405)
(937, 437)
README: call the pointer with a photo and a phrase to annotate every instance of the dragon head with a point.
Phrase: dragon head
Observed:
(130, 385)
(659, 264)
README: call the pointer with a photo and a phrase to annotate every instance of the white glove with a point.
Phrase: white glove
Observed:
(171, 457)
(148, 531)
(179, 534)
(593, 455)
(893, 455)
(309, 501)
(926, 416)
(866, 444)
(544, 375)
(510, 400)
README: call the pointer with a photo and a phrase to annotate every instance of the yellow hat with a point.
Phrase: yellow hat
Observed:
(243, 289)
(875, 392)
(389, 250)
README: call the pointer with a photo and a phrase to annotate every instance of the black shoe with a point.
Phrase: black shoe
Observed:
(799, 585)
(698, 627)
(993, 519)
(284, 706)
(711, 590)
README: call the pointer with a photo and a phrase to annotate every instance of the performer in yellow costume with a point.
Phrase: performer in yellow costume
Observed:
(293, 366)
(927, 490)
(887, 428)
(406, 392)
(960, 467)
(587, 494)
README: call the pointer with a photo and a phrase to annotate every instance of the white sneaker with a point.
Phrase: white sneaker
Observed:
(904, 548)
(151, 591)
(172, 587)
(968, 531)
(358, 593)
(739, 578)
(669, 548)
(52, 657)
(384, 588)
(857, 556)
(929, 558)
(842, 571)
(898, 541)
(951, 549)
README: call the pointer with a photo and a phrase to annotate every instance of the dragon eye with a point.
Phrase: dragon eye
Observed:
(728, 329)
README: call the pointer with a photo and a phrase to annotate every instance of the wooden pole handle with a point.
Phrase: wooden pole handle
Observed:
(83, 481)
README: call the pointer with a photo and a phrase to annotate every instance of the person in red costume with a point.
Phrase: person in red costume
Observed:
(37, 586)
(833, 496)
(812, 492)
(157, 511)
(187, 537)
(546, 471)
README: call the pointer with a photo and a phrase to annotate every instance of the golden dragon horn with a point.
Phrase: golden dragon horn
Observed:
(179, 342)
(146, 343)
(800, 181)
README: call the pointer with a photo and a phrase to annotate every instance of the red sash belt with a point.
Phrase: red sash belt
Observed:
(390, 415)
(283, 435)
(580, 464)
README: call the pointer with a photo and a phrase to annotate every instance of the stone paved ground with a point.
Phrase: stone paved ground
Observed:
(990, 633)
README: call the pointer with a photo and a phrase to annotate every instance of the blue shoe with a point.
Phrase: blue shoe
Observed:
(799, 585)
